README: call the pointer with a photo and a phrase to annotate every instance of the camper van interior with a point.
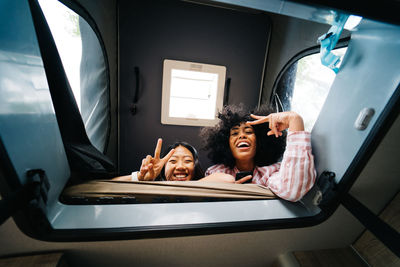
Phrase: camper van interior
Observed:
(87, 88)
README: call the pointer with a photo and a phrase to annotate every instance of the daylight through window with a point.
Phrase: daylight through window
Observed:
(192, 93)
(305, 85)
(64, 26)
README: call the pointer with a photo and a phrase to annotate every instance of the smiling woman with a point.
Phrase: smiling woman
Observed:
(184, 164)
(242, 142)
(238, 144)
(180, 167)
(181, 163)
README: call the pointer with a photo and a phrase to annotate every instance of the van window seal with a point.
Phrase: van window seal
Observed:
(81, 11)
(344, 42)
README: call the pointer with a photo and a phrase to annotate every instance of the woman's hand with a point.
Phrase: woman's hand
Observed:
(152, 166)
(279, 122)
(220, 177)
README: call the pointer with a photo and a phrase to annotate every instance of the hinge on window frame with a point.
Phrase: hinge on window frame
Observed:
(327, 189)
(41, 186)
(32, 195)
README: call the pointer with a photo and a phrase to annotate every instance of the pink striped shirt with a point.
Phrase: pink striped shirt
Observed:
(289, 179)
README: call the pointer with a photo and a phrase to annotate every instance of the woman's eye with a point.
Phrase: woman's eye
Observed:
(188, 161)
(172, 161)
(234, 133)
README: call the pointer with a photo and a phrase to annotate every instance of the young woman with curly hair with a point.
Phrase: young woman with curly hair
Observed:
(255, 142)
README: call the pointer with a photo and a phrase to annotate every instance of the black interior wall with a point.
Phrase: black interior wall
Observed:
(151, 31)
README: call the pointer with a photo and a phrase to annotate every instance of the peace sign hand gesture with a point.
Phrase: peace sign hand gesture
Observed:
(279, 122)
(152, 166)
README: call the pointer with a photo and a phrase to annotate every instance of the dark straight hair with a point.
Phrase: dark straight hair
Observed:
(198, 170)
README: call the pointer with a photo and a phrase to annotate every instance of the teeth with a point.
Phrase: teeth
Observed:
(180, 177)
(243, 144)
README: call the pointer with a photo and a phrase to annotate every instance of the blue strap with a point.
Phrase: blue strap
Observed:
(328, 42)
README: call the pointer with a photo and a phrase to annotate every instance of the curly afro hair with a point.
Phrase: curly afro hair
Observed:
(269, 148)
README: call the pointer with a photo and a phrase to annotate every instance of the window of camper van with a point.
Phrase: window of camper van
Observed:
(304, 86)
(85, 66)
(192, 93)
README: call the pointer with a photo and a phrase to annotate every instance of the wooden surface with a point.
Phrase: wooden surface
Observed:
(341, 257)
(41, 260)
(373, 250)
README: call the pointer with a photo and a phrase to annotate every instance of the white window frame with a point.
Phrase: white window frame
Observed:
(169, 65)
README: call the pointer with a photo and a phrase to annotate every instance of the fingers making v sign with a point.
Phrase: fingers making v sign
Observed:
(278, 122)
(152, 166)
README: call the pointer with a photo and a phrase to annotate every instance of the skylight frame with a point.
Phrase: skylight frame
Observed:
(197, 68)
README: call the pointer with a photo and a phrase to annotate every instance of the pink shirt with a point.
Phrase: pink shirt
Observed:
(289, 179)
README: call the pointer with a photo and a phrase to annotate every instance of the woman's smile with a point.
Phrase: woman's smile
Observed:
(180, 167)
(242, 142)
